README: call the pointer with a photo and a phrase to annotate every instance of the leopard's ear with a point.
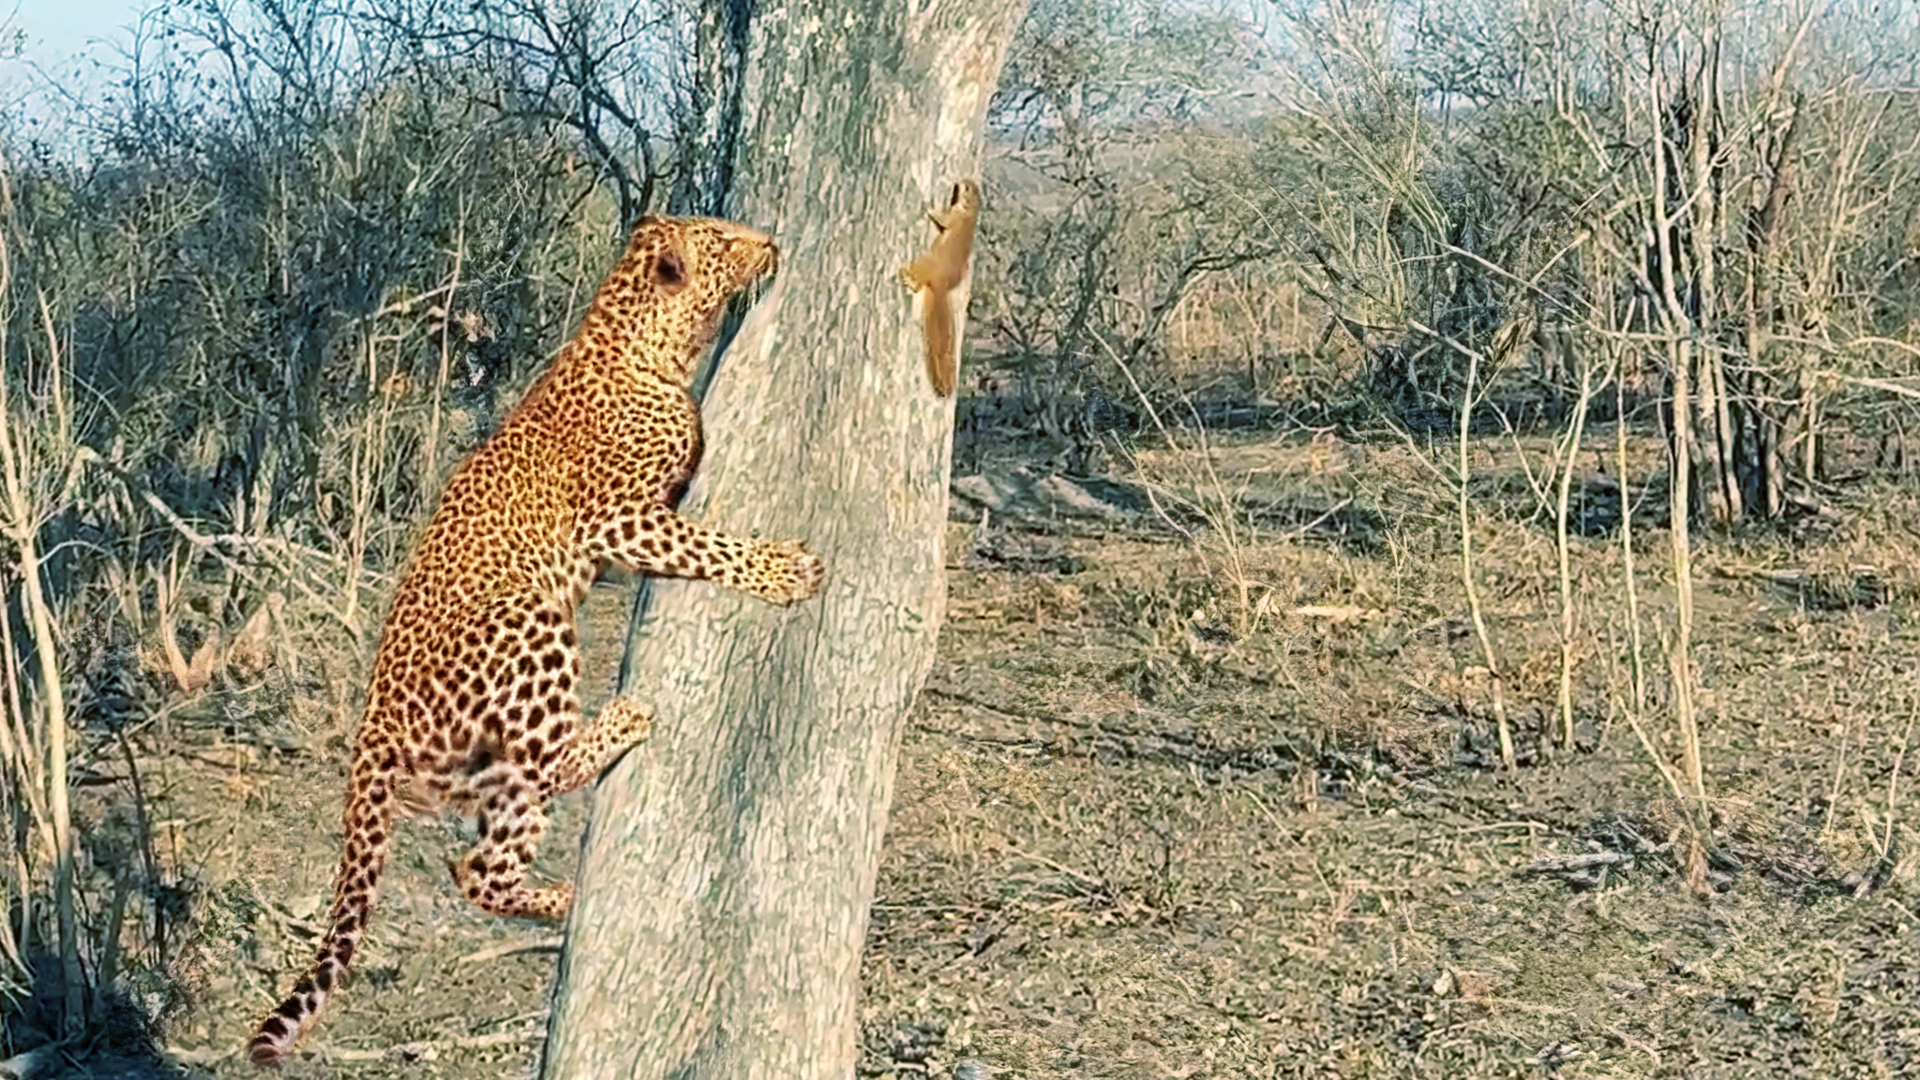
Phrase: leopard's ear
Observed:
(667, 270)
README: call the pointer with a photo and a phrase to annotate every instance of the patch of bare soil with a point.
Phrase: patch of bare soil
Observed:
(1203, 784)
(1186, 809)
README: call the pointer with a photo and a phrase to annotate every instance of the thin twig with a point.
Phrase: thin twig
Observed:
(547, 944)
(1501, 726)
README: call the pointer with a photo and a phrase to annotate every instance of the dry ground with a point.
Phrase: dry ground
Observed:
(1207, 804)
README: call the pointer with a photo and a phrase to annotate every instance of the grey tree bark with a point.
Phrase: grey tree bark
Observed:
(721, 901)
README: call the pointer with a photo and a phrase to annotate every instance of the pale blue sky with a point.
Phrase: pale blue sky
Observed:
(56, 29)
(70, 42)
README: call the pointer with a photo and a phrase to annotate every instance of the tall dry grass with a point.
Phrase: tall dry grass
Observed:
(41, 461)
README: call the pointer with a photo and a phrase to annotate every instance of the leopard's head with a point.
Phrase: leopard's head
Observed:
(677, 276)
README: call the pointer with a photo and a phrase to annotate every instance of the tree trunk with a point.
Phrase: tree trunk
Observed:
(708, 141)
(721, 901)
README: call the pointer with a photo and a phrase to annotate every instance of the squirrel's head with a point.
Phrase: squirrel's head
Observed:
(674, 281)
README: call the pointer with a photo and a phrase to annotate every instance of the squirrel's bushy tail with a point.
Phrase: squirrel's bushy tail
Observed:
(369, 816)
(943, 353)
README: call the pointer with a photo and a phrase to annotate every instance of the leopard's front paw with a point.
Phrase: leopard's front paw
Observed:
(787, 572)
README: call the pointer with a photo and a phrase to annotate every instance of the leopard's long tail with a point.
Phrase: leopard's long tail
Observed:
(369, 818)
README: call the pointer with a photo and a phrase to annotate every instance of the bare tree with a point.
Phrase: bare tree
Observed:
(1120, 125)
(586, 66)
(723, 890)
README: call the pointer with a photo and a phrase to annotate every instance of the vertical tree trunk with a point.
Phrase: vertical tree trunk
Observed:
(708, 140)
(1765, 481)
(1702, 178)
(724, 884)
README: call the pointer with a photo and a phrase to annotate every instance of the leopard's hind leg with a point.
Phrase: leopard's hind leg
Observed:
(622, 725)
(509, 797)
(493, 875)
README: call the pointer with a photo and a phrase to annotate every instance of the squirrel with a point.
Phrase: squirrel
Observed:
(937, 273)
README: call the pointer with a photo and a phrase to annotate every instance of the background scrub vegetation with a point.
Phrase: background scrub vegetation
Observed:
(1326, 688)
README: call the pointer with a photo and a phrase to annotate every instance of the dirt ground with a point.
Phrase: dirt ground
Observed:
(1208, 792)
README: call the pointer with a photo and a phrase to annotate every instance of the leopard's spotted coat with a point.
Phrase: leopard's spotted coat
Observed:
(474, 699)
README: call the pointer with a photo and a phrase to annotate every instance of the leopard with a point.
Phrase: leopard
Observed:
(473, 704)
